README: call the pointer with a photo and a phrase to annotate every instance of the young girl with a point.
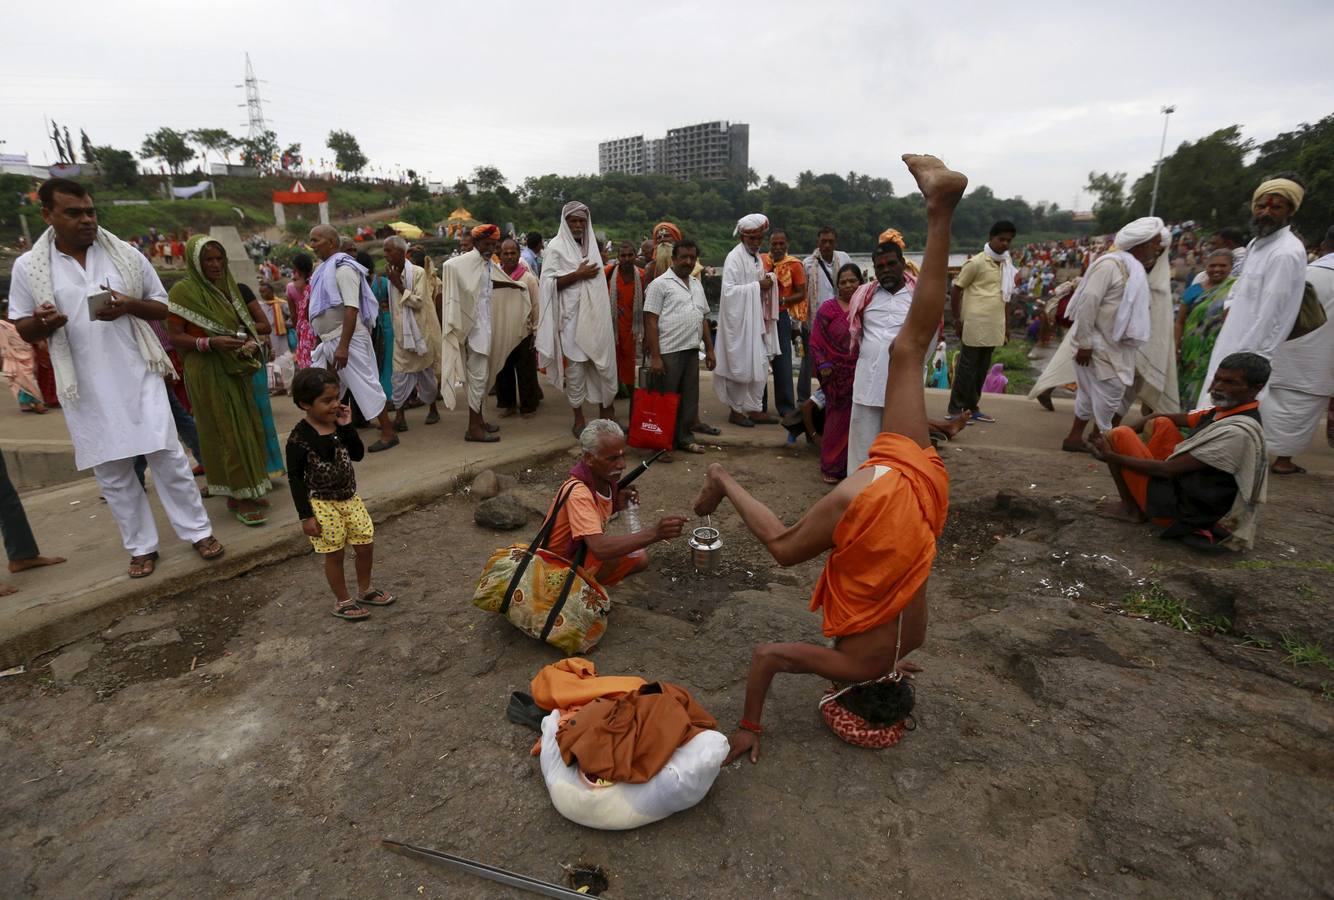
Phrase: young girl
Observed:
(320, 453)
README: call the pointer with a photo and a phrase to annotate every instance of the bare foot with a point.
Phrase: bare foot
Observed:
(957, 424)
(36, 562)
(7, 589)
(939, 184)
(1121, 511)
(712, 493)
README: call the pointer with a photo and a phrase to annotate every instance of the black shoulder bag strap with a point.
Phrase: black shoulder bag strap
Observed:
(559, 605)
(543, 535)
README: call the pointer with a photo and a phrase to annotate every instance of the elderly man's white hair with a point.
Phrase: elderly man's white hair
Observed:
(590, 439)
(396, 240)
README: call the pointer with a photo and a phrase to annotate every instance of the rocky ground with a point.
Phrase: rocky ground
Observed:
(1100, 714)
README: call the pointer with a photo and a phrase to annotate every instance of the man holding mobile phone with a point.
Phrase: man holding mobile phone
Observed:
(109, 368)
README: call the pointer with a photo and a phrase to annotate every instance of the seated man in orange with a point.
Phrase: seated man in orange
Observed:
(593, 497)
(881, 523)
(1191, 485)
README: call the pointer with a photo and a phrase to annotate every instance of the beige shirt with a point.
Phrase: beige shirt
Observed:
(983, 303)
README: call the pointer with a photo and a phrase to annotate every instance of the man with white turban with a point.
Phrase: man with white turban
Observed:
(1303, 374)
(485, 318)
(1264, 302)
(1113, 319)
(576, 343)
(747, 327)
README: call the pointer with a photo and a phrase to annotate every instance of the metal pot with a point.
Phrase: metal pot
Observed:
(706, 546)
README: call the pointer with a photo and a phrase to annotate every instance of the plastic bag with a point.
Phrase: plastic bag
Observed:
(681, 784)
(653, 420)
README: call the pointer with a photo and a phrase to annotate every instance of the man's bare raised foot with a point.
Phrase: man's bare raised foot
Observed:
(939, 184)
(1121, 512)
(35, 562)
(712, 493)
(952, 426)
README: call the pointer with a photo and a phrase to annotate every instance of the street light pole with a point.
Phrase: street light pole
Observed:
(1162, 147)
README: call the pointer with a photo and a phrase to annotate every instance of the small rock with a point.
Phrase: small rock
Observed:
(158, 639)
(73, 661)
(502, 513)
(485, 485)
(142, 622)
(507, 483)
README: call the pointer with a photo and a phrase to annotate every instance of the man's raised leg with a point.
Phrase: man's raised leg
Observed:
(905, 400)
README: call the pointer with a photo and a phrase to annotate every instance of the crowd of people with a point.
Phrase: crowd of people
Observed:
(1243, 360)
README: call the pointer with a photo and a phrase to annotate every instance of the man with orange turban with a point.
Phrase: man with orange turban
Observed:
(881, 523)
(665, 236)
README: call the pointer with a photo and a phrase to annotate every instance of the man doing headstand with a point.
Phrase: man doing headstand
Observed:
(881, 523)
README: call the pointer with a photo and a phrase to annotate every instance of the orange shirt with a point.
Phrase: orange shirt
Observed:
(886, 540)
(585, 512)
(791, 277)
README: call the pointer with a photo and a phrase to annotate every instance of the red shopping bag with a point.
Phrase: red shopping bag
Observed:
(653, 420)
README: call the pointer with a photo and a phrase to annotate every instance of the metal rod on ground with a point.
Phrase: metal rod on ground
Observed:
(481, 870)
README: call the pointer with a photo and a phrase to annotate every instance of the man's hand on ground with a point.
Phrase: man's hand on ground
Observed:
(1098, 447)
(742, 742)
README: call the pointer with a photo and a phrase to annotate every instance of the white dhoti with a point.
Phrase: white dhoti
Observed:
(475, 374)
(359, 375)
(424, 383)
(1290, 419)
(743, 396)
(1098, 399)
(863, 429)
(585, 383)
(176, 490)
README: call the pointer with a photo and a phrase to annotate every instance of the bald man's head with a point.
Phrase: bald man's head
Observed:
(324, 241)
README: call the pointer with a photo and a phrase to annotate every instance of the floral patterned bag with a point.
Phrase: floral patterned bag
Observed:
(543, 594)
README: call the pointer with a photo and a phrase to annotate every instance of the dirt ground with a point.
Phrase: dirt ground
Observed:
(238, 741)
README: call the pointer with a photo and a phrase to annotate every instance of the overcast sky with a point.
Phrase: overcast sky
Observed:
(1026, 98)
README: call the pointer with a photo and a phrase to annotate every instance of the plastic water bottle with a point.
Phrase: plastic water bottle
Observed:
(631, 513)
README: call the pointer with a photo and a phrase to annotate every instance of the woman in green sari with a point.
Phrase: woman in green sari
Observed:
(216, 337)
(1203, 320)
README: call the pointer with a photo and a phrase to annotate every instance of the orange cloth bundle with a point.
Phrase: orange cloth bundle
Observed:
(886, 541)
(629, 738)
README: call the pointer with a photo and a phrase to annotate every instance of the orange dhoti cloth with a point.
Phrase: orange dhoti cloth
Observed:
(1161, 438)
(886, 541)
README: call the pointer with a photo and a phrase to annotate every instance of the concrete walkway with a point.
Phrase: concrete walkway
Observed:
(60, 604)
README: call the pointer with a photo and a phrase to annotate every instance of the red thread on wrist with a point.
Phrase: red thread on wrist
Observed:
(752, 727)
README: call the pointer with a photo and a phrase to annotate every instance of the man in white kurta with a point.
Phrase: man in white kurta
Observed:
(1112, 315)
(821, 284)
(747, 327)
(881, 308)
(109, 370)
(576, 341)
(1262, 306)
(1302, 380)
(416, 333)
(485, 317)
(342, 310)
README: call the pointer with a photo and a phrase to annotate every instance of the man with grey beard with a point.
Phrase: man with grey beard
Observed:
(1263, 304)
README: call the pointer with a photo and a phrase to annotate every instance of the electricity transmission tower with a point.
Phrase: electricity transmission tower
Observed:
(253, 103)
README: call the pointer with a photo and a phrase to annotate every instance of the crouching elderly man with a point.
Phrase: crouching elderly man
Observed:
(1205, 489)
(591, 496)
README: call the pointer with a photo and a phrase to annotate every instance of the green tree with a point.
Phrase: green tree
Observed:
(1109, 207)
(293, 156)
(1308, 151)
(1204, 180)
(170, 146)
(347, 152)
(216, 140)
(261, 152)
(118, 166)
(488, 178)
